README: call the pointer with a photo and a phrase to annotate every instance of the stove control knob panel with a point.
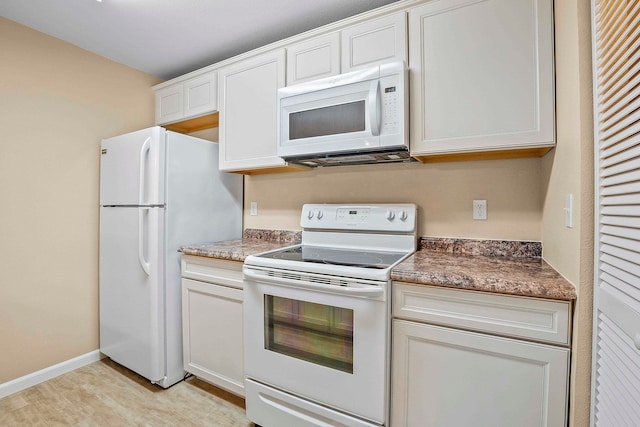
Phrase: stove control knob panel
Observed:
(396, 218)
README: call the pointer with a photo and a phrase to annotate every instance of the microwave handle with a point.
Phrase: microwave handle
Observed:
(374, 108)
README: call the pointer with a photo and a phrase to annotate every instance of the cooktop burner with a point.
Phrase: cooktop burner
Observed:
(347, 257)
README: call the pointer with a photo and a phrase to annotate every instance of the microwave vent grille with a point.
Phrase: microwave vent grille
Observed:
(354, 159)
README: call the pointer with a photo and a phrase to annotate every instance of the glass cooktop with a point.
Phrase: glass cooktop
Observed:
(347, 257)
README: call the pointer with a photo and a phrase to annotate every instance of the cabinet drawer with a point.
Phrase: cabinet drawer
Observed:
(519, 317)
(212, 270)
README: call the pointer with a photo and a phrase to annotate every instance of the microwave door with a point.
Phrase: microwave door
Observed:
(339, 119)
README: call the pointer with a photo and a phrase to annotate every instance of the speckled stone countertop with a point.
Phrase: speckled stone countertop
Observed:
(504, 267)
(253, 241)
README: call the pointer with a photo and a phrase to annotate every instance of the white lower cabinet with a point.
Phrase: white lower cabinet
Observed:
(212, 321)
(444, 376)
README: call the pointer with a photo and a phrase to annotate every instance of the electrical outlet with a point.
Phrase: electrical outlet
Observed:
(253, 209)
(479, 209)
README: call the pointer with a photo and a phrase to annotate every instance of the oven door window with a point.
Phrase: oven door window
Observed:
(316, 333)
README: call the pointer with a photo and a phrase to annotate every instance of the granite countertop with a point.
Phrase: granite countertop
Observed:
(506, 267)
(253, 241)
(514, 268)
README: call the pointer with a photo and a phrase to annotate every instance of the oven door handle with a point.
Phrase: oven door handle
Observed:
(372, 292)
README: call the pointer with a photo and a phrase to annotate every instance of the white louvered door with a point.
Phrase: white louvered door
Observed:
(616, 361)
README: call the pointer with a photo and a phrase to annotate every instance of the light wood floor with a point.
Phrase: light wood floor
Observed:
(106, 394)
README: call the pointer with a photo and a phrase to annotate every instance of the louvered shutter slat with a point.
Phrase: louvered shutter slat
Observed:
(616, 382)
(626, 199)
(632, 175)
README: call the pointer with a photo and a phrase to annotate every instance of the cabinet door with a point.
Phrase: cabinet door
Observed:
(313, 59)
(446, 377)
(374, 42)
(169, 106)
(248, 110)
(212, 334)
(200, 95)
(481, 75)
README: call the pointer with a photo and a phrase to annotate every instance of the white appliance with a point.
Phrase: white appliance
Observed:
(354, 118)
(158, 190)
(317, 318)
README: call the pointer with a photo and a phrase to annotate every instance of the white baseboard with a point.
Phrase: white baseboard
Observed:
(45, 374)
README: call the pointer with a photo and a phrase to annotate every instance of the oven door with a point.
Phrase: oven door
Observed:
(319, 341)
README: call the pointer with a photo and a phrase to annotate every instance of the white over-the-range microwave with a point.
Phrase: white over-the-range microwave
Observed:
(354, 118)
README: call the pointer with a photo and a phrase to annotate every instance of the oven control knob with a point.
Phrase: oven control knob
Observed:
(310, 214)
(390, 215)
(319, 215)
(403, 215)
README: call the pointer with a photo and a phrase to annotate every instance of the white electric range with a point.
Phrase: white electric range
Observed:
(317, 318)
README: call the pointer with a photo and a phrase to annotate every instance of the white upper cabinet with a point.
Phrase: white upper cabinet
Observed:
(201, 95)
(481, 76)
(313, 59)
(186, 99)
(169, 105)
(374, 42)
(361, 45)
(248, 110)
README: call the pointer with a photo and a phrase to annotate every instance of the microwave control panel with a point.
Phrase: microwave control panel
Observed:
(391, 121)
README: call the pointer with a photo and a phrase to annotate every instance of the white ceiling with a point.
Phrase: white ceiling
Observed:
(168, 38)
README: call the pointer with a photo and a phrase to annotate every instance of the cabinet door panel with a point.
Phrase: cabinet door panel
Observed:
(313, 59)
(482, 73)
(212, 334)
(248, 107)
(374, 42)
(447, 377)
(169, 106)
(200, 95)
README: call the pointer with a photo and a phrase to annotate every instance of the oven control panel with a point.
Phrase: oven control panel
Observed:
(371, 217)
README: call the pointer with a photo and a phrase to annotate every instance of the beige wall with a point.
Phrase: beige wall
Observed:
(444, 193)
(56, 103)
(569, 170)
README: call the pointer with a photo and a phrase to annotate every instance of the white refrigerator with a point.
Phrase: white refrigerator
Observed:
(158, 190)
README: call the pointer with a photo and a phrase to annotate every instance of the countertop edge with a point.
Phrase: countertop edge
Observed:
(453, 269)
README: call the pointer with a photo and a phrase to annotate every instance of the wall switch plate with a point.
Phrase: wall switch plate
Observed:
(568, 211)
(479, 209)
(253, 209)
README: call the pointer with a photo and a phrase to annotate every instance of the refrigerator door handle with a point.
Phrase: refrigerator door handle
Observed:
(146, 146)
(143, 262)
